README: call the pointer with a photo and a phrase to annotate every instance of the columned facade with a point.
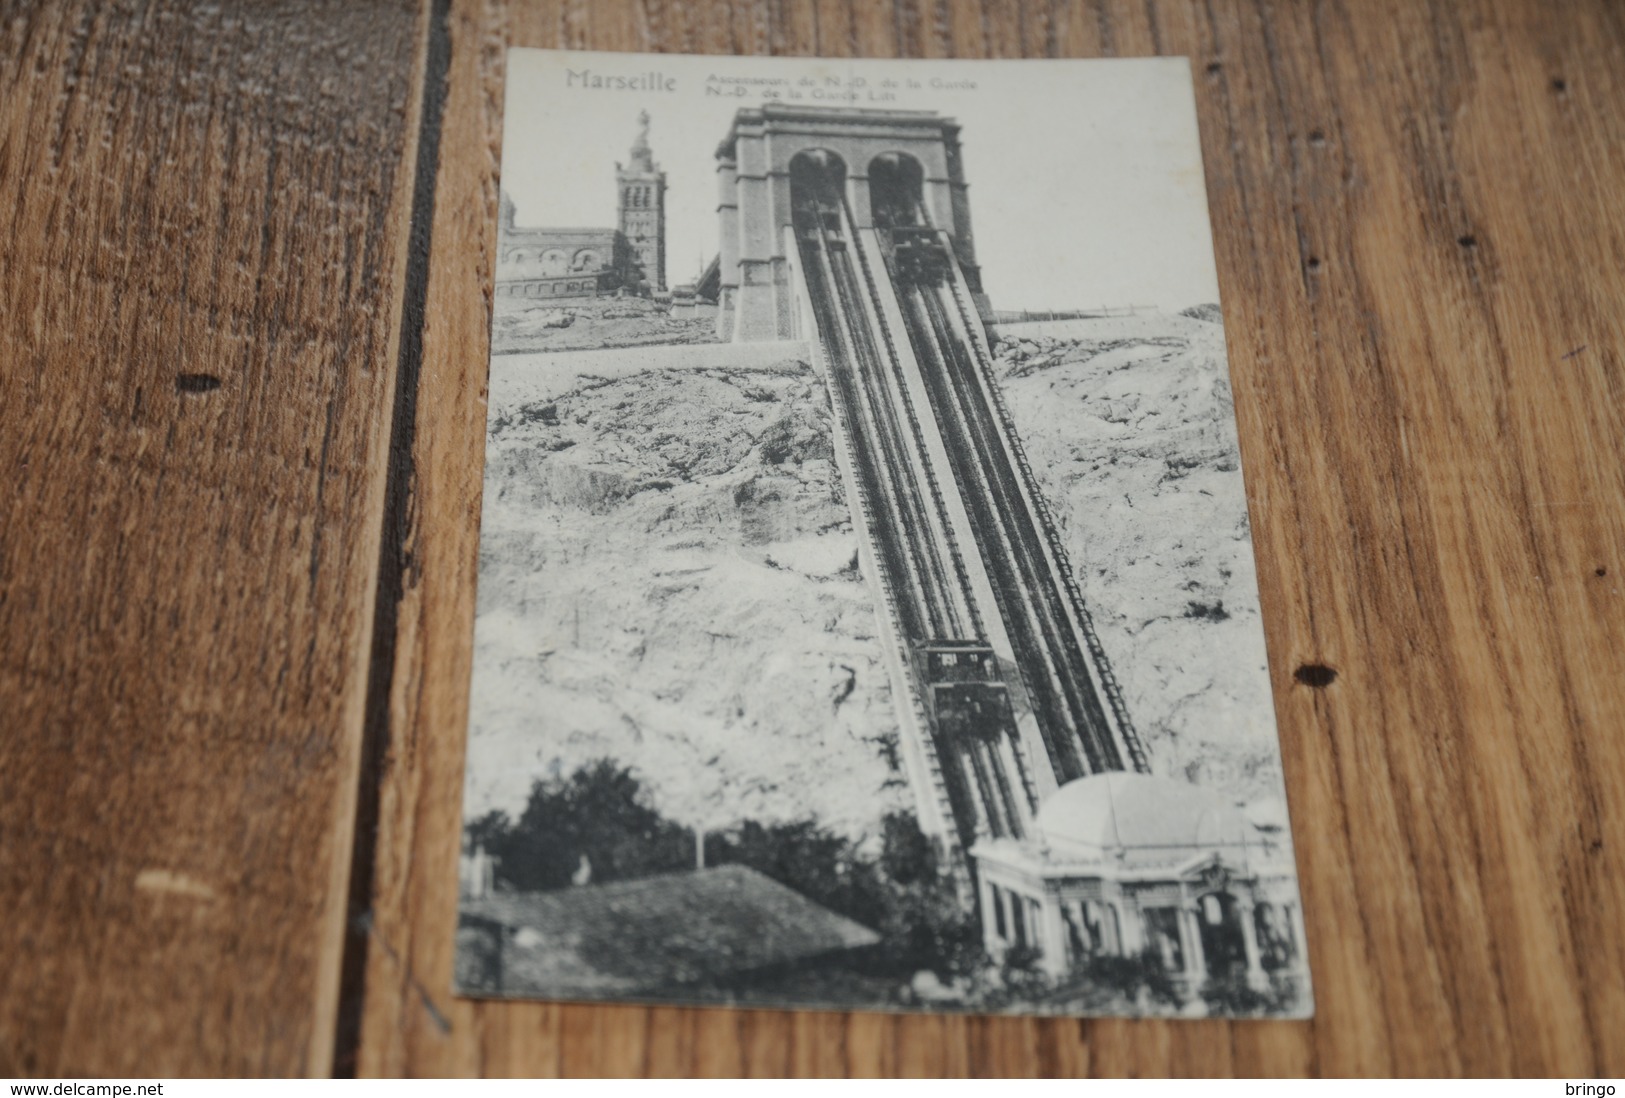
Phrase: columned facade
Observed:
(1168, 873)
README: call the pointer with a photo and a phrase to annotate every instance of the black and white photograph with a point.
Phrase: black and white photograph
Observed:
(867, 611)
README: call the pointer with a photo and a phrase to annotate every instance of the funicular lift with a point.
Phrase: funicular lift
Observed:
(817, 215)
(968, 703)
(919, 256)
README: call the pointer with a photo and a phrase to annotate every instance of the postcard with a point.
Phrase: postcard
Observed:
(867, 612)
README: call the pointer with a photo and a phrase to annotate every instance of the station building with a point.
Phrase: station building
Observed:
(1126, 864)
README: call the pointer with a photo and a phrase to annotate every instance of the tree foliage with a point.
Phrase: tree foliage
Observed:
(601, 811)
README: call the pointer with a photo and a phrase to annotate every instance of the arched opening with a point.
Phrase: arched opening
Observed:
(1018, 918)
(1223, 945)
(554, 262)
(1079, 945)
(1094, 931)
(1276, 949)
(586, 260)
(896, 191)
(897, 205)
(817, 193)
(1163, 939)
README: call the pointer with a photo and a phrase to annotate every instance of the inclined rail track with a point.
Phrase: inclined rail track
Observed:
(1062, 670)
(1086, 624)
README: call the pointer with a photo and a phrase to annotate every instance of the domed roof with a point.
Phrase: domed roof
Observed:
(1147, 819)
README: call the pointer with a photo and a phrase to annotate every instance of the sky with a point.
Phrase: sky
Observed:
(1085, 177)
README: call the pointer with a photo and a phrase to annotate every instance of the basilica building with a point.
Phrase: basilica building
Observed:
(630, 258)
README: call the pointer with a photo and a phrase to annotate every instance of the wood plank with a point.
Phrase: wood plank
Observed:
(200, 283)
(1418, 240)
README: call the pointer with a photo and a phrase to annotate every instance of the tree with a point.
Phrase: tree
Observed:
(902, 894)
(600, 812)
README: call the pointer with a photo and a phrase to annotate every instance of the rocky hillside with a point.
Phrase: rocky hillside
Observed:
(667, 577)
(1129, 426)
(520, 324)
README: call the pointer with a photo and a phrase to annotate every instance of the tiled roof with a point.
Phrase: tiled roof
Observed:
(657, 932)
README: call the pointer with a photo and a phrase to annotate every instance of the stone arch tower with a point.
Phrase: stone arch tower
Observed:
(641, 207)
(757, 296)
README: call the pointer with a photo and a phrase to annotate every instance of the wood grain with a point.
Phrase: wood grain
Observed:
(237, 561)
(1416, 226)
(200, 279)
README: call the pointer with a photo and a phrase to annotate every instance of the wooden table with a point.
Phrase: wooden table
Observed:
(244, 288)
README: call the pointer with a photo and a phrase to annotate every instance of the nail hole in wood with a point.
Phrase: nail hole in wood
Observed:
(1313, 264)
(196, 383)
(1559, 85)
(1317, 138)
(1468, 241)
(1602, 572)
(1315, 674)
(1214, 68)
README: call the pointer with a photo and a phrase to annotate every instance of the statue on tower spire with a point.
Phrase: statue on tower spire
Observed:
(641, 157)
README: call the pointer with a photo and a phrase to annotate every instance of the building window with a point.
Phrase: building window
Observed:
(999, 927)
(1077, 948)
(1018, 912)
(1273, 930)
(1162, 928)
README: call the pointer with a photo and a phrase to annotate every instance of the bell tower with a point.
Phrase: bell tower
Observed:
(641, 207)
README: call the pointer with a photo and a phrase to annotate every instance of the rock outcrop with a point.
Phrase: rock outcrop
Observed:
(1129, 427)
(668, 577)
(522, 324)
